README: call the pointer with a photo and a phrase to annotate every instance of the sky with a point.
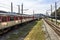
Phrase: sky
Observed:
(39, 6)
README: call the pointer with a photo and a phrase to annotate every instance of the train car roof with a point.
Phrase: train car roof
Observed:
(14, 14)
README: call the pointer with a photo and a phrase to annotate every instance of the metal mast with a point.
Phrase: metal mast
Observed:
(11, 7)
(22, 8)
(19, 9)
(56, 12)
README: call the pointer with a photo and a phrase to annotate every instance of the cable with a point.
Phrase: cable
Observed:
(5, 4)
(5, 7)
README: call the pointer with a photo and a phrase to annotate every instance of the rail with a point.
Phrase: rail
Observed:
(54, 27)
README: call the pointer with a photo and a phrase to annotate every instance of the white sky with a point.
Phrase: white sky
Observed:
(39, 6)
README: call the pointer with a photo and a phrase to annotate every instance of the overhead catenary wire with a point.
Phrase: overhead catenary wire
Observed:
(6, 6)
(58, 2)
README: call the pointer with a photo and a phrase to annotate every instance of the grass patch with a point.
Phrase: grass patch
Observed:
(22, 31)
(13, 37)
(36, 33)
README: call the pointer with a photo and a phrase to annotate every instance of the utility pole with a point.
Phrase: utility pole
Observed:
(51, 9)
(56, 12)
(21, 12)
(11, 7)
(51, 12)
(47, 14)
(19, 9)
(33, 14)
(22, 8)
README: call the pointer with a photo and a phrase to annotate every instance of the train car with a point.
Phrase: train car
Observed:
(8, 19)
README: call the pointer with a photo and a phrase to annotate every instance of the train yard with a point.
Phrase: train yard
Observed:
(55, 28)
(52, 34)
(20, 32)
(29, 20)
(23, 31)
(8, 21)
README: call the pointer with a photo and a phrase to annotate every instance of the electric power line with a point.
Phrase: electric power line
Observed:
(5, 7)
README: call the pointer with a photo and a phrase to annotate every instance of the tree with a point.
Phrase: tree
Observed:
(58, 13)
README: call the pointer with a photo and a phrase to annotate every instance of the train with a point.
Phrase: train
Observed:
(7, 20)
(5, 17)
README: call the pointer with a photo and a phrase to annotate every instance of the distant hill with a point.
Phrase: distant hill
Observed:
(39, 15)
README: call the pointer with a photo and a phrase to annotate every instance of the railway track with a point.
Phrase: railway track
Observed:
(54, 27)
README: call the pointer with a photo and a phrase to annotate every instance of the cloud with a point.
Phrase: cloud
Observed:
(38, 8)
